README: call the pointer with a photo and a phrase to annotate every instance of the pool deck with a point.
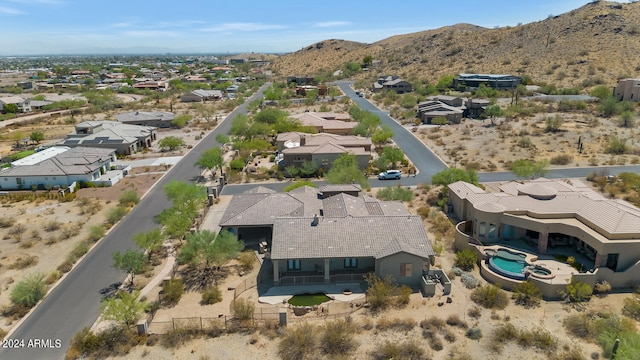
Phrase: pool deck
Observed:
(281, 294)
(562, 272)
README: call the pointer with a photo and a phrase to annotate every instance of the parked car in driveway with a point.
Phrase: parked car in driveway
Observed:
(390, 175)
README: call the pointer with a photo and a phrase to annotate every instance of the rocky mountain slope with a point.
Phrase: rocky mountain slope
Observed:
(596, 43)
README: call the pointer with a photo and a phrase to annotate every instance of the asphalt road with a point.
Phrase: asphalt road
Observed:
(75, 302)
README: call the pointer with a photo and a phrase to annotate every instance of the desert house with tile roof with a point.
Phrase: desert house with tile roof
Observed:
(201, 95)
(159, 119)
(62, 167)
(126, 139)
(392, 83)
(553, 217)
(327, 122)
(328, 239)
(322, 149)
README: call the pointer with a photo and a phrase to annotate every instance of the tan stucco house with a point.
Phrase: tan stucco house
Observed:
(323, 148)
(338, 238)
(553, 217)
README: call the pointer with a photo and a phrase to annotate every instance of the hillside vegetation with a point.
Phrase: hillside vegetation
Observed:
(595, 44)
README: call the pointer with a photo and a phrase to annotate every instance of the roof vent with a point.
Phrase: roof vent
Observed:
(315, 220)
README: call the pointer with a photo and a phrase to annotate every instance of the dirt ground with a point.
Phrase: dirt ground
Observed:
(478, 144)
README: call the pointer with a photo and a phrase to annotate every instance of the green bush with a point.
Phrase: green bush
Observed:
(129, 198)
(631, 307)
(116, 214)
(490, 297)
(211, 295)
(236, 164)
(396, 193)
(172, 291)
(247, 259)
(578, 292)
(474, 333)
(466, 259)
(563, 159)
(526, 294)
(114, 341)
(96, 233)
(29, 291)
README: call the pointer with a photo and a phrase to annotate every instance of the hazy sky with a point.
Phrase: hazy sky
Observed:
(90, 26)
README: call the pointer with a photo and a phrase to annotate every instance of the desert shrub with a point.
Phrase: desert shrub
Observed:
(211, 295)
(380, 292)
(236, 164)
(631, 307)
(570, 353)
(563, 159)
(96, 233)
(579, 325)
(474, 333)
(466, 259)
(178, 335)
(172, 291)
(29, 291)
(490, 297)
(52, 277)
(526, 294)
(242, 309)
(578, 292)
(469, 281)
(395, 350)
(337, 338)
(432, 323)
(602, 288)
(396, 193)
(398, 324)
(6, 222)
(128, 198)
(24, 262)
(475, 312)
(617, 146)
(454, 320)
(423, 211)
(78, 251)
(246, 260)
(51, 226)
(298, 342)
(114, 341)
(115, 214)
(403, 295)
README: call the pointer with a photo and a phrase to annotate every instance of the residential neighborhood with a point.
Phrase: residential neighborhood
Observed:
(465, 192)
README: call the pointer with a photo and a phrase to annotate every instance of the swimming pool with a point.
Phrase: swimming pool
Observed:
(508, 263)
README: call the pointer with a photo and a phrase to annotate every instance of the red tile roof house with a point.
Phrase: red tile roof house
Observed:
(323, 148)
(340, 238)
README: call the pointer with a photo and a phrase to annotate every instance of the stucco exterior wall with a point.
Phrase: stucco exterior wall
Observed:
(391, 265)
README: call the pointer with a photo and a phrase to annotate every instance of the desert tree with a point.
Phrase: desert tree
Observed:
(149, 241)
(125, 308)
(37, 137)
(345, 170)
(493, 111)
(530, 169)
(205, 248)
(131, 262)
(171, 143)
(211, 160)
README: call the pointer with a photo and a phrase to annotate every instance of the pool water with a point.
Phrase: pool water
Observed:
(512, 266)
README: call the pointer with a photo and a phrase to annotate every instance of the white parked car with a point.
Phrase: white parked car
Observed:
(390, 175)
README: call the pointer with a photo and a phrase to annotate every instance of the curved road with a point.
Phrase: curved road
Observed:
(426, 161)
(75, 302)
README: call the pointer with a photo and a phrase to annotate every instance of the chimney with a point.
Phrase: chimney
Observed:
(303, 140)
(315, 220)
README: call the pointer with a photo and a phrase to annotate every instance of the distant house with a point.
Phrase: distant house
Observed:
(201, 95)
(323, 149)
(152, 85)
(627, 90)
(25, 85)
(392, 83)
(159, 119)
(327, 122)
(233, 88)
(496, 81)
(24, 105)
(338, 238)
(126, 139)
(301, 80)
(476, 107)
(429, 110)
(61, 167)
(195, 78)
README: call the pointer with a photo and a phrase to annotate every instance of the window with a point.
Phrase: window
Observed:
(405, 270)
(483, 229)
(19, 181)
(492, 231)
(612, 261)
(293, 265)
(54, 178)
(350, 263)
(46, 178)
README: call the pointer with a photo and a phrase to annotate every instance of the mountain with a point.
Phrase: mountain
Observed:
(596, 43)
